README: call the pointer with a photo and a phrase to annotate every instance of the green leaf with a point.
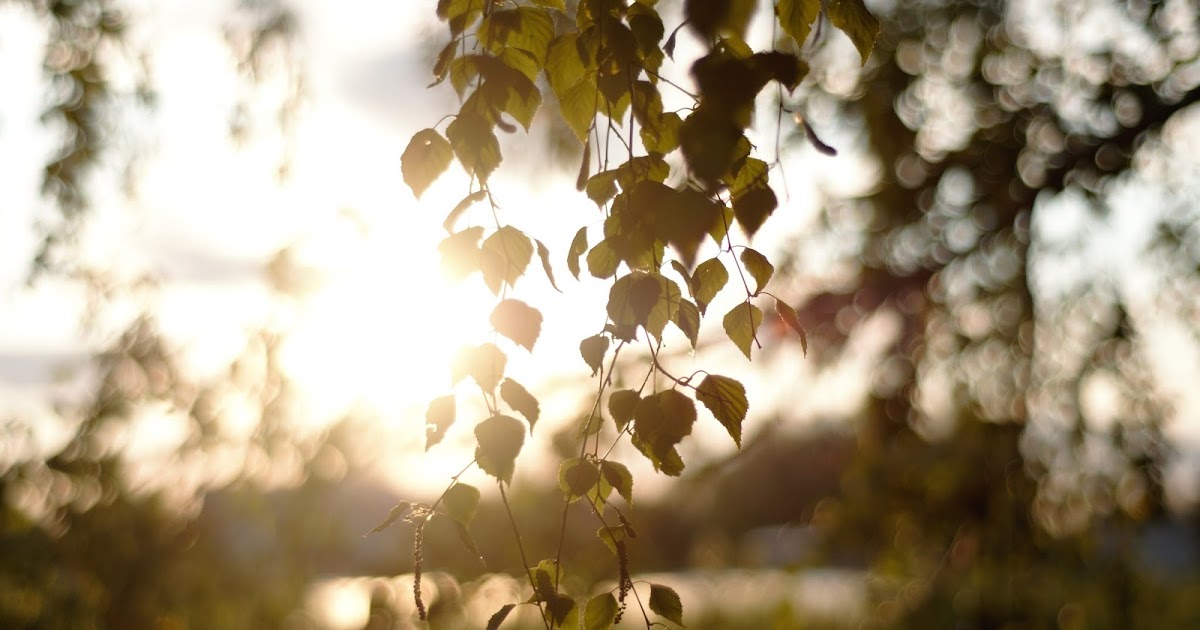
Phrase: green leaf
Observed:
(797, 17)
(664, 602)
(561, 5)
(602, 187)
(499, 616)
(519, 398)
(426, 157)
(579, 245)
(610, 536)
(500, 439)
(438, 417)
(789, 317)
(518, 321)
(572, 78)
(467, 202)
(460, 253)
(710, 277)
(442, 66)
(593, 349)
(504, 256)
(544, 254)
(595, 422)
(474, 144)
(687, 319)
(617, 475)
(576, 477)
(527, 28)
(752, 208)
(546, 576)
(561, 607)
(484, 363)
(602, 261)
(644, 299)
(741, 325)
(600, 612)
(621, 404)
(462, 502)
(683, 273)
(726, 399)
(853, 18)
(660, 422)
(759, 267)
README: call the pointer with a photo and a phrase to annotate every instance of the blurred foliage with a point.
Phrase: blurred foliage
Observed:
(1006, 502)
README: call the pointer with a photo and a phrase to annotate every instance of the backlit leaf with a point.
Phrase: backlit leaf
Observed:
(460, 253)
(392, 517)
(709, 278)
(483, 363)
(474, 144)
(664, 602)
(687, 318)
(576, 477)
(617, 475)
(600, 612)
(602, 261)
(561, 5)
(621, 404)
(579, 245)
(853, 18)
(797, 17)
(759, 267)
(442, 65)
(544, 254)
(592, 349)
(499, 616)
(683, 273)
(518, 321)
(526, 28)
(602, 187)
(519, 398)
(438, 417)
(752, 208)
(462, 502)
(789, 317)
(504, 256)
(500, 439)
(468, 541)
(467, 202)
(741, 324)
(426, 157)
(660, 422)
(610, 536)
(726, 399)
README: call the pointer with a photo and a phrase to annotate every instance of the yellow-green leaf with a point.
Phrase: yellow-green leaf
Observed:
(853, 18)
(519, 398)
(759, 267)
(797, 17)
(726, 399)
(460, 253)
(579, 245)
(426, 157)
(660, 422)
(602, 261)
(461, 501)
(518, 321)
(576, 477)
(500, 439)
(561, 5)
(438, 417)
(621, 404)
(467, 202)
(709, 278)
(664, 602)
(600, 612)
(499, 616)
(483, 363)
(741, 324)
(504, 257)
(544, 254)
(526, 28)
(592, 349)
(752, 208)
(687, 318)
(617, 475)
(474, 144)
(392, 517)
(789, 317)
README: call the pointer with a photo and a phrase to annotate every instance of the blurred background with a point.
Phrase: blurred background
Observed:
(222, 320)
